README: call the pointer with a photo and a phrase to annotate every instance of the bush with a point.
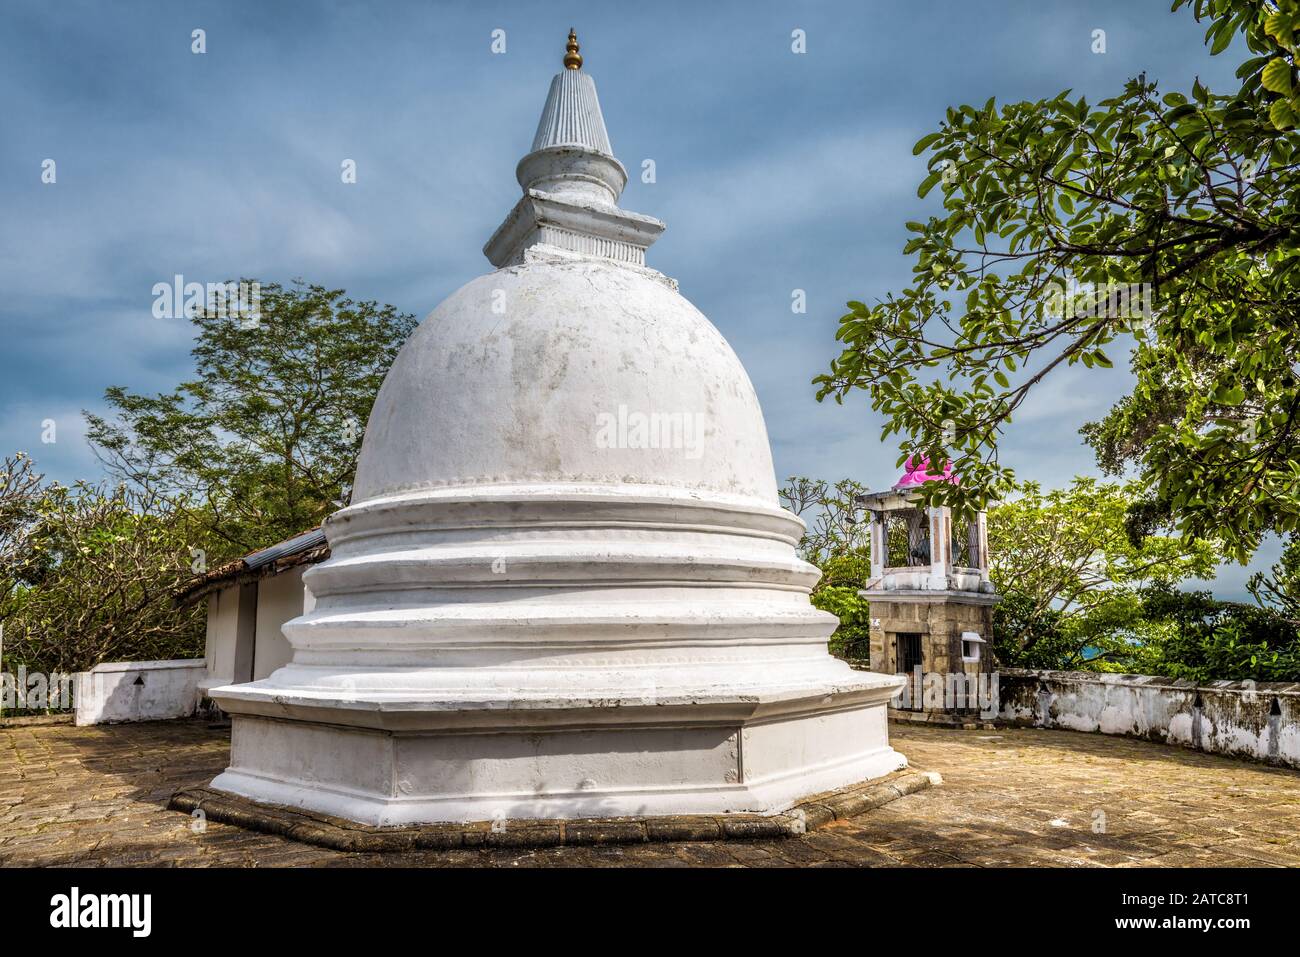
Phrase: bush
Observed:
(88, 576)
(1153, 631)
(1207, 639)
(837, 592)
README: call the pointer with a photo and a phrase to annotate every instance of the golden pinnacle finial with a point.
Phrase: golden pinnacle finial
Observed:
(572, 58)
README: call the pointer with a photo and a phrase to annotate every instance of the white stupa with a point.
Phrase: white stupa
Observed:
(565, 586)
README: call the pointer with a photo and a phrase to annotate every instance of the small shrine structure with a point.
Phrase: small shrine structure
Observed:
(931, 601)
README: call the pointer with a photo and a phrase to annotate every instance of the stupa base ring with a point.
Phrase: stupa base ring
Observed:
(323, 830)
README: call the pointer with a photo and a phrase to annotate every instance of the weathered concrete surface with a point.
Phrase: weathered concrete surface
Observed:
(19, 721)
(138, 690)
(1247, 719)
(340, 834)
(97, 796)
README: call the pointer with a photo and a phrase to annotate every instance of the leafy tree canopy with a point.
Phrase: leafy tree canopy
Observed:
(1078, 591)
(830, 514)
(88, 574)
(1071, 578)
(1195, 636)
(1054, 213)
(262, 443)
(837, 542)
(1066, 551)
(1279, 588)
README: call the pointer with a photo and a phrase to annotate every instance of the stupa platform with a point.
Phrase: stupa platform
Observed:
(341, 834)
(426, 758)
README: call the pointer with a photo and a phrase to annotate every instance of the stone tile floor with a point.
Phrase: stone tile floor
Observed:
(97, 797)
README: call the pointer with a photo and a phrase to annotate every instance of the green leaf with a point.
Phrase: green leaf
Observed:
(1232, 395)
(1223, 35)
(1282, 115)
(1278, 25)
(924, 142)
(1277, 76)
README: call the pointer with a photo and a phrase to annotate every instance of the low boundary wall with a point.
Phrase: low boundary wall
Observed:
(1235, 718)
(138, 690)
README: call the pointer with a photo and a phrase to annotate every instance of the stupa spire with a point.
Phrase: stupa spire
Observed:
(571, 116)
(572, 181)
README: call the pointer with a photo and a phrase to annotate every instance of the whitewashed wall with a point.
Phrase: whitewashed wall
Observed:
(244, 640)
(137, 690)
(223, 614)
(1236, 718)
(279, 598)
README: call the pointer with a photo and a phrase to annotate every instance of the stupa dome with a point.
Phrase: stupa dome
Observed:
(589, 372)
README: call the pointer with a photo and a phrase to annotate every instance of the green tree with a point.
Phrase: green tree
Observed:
(1051, 211)
(20, 491)
(1070, 576)
(843, 576)
(836, 541)
(91, 577)
(262, 443)
(1195, 636)
(830, 514)
(1279, 587)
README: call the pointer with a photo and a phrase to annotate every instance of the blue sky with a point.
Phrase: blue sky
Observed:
(775, 171)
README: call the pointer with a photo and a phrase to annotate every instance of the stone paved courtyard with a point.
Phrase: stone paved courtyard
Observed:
(97, 796)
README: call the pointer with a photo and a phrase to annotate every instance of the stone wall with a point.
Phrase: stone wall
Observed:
(1237, 718)
(939, 622)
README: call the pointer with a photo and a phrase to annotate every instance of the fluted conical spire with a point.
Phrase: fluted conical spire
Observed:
(572, 115)
(571, 181)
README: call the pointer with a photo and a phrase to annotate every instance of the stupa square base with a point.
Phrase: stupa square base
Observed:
(632, 768)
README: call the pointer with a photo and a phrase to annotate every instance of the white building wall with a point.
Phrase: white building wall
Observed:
(219, 649)
(279, 598)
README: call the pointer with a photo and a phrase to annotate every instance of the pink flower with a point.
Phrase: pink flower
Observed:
(918, 473)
